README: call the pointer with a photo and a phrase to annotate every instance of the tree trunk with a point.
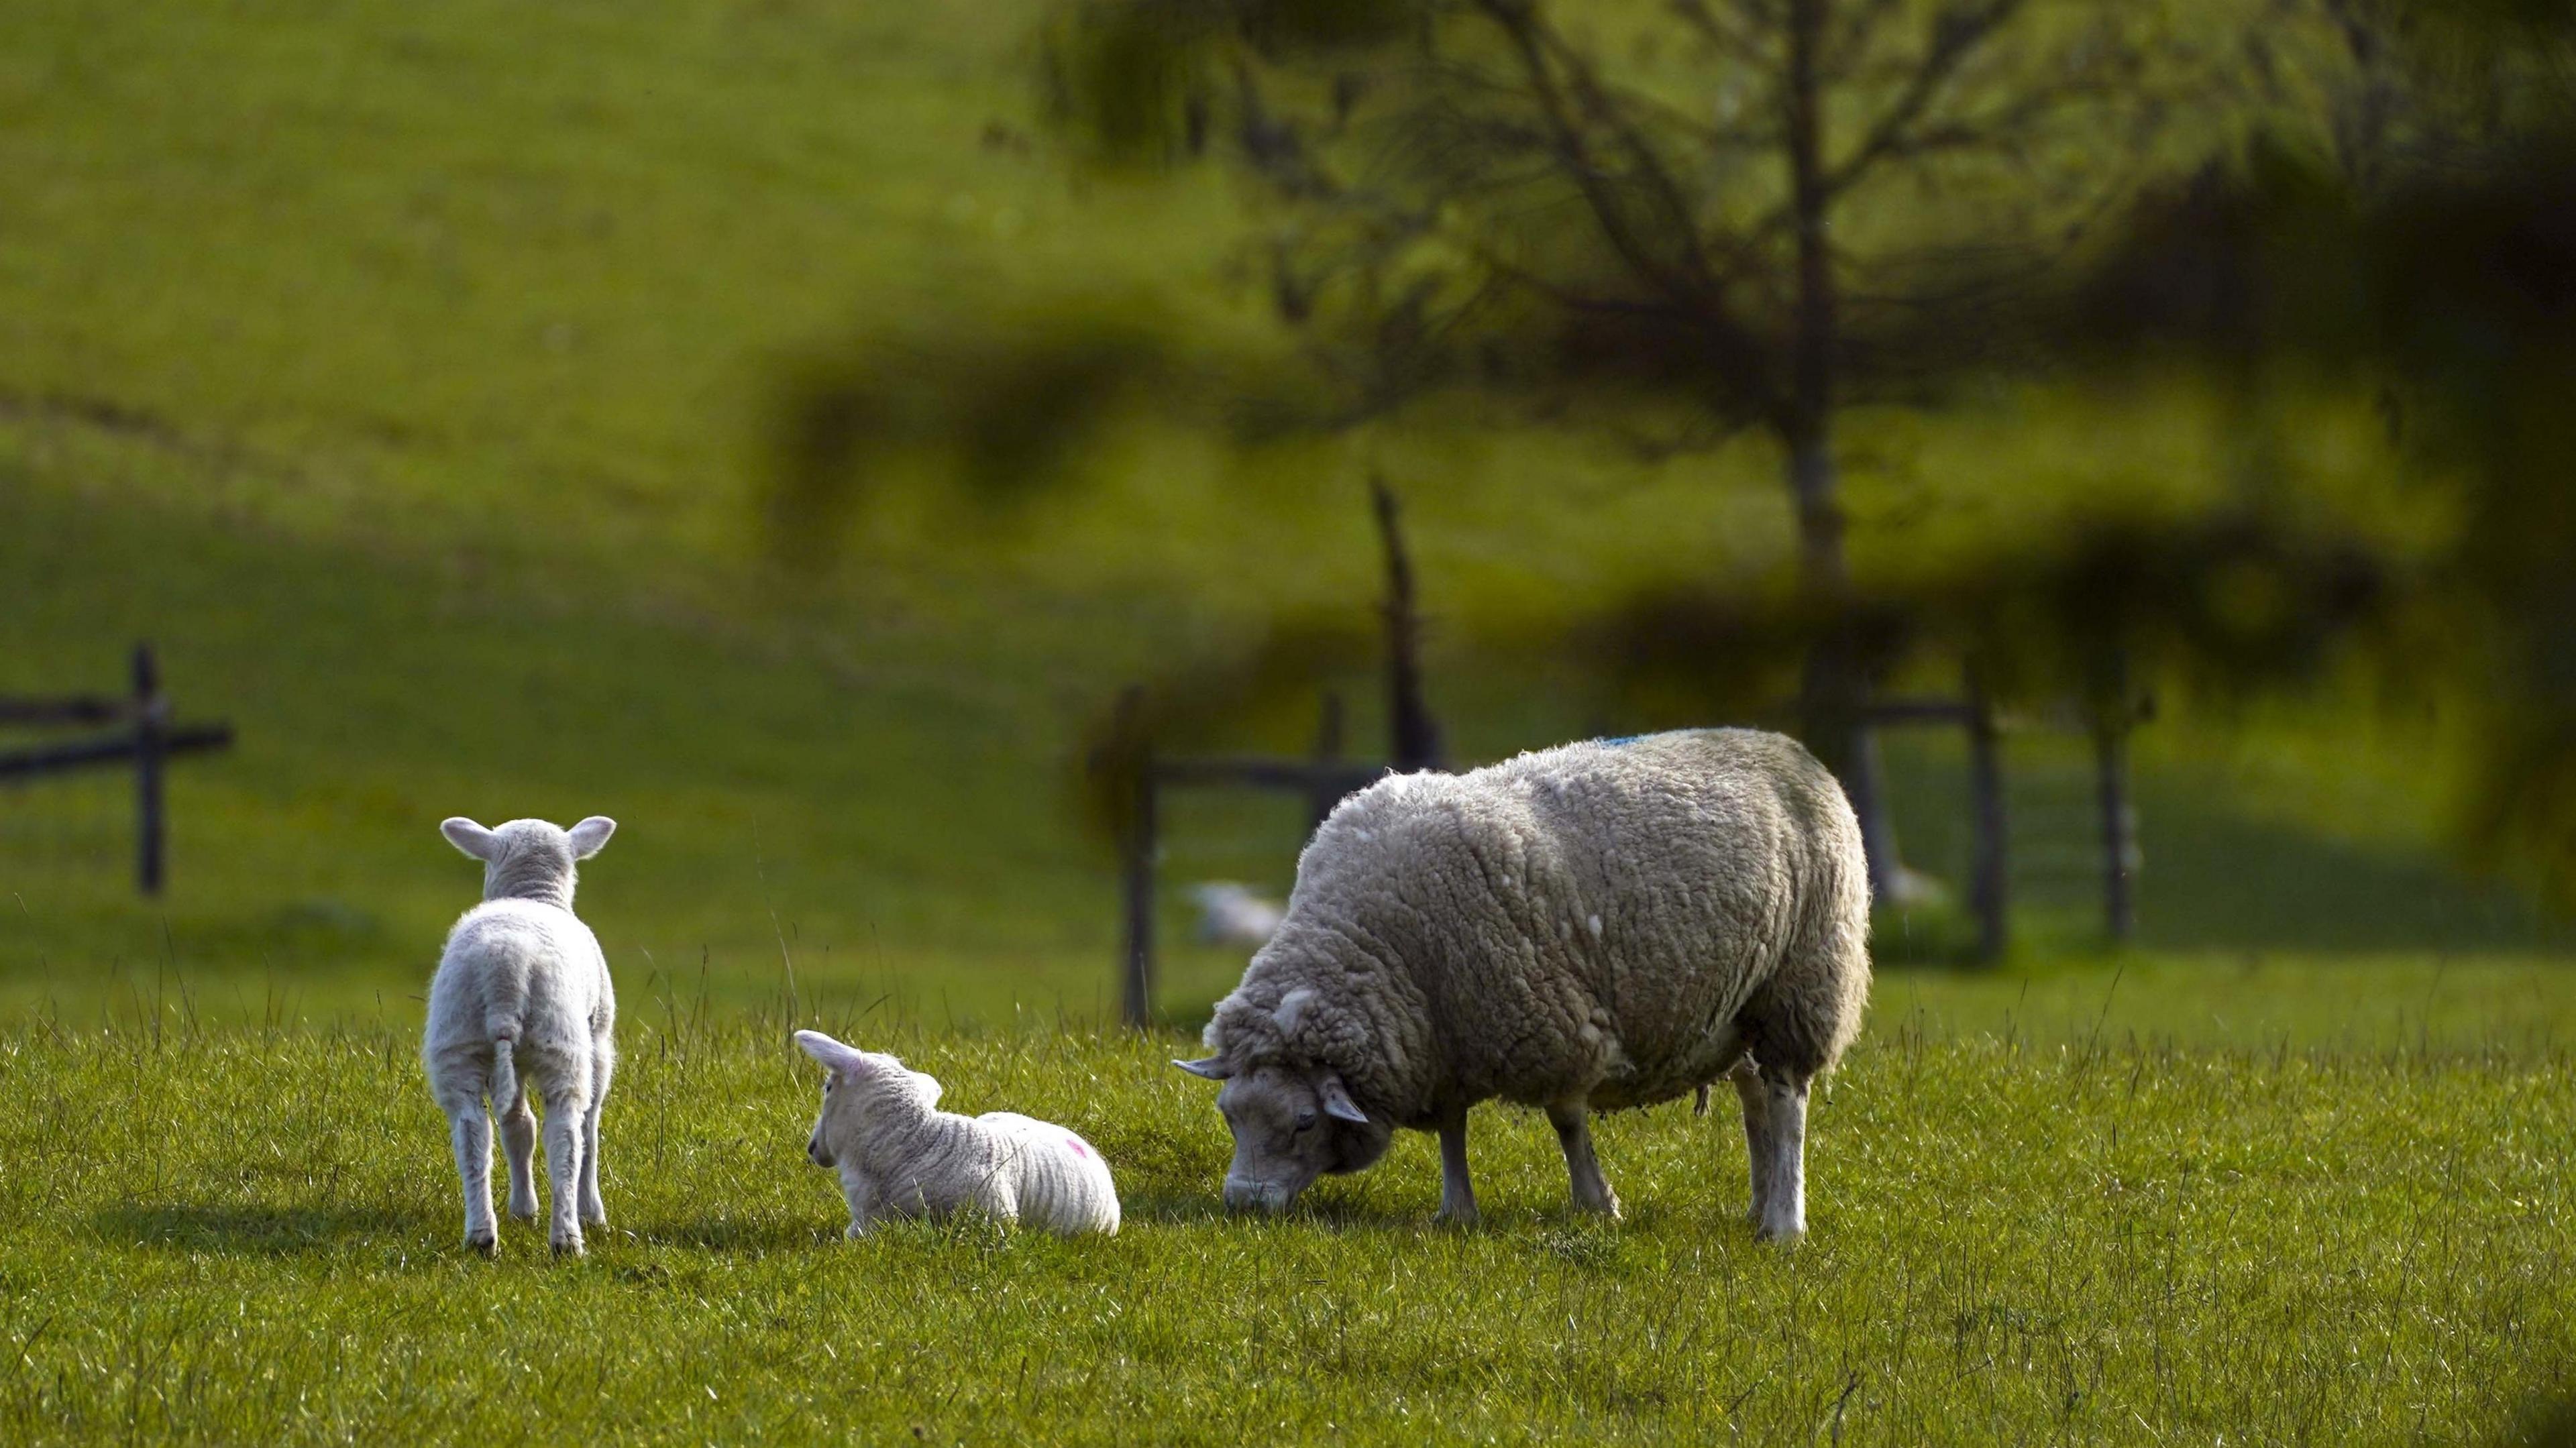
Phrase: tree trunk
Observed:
(1416, 741)
(1837, 685)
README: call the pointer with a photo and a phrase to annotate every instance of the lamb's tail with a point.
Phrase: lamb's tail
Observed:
(504, 1087)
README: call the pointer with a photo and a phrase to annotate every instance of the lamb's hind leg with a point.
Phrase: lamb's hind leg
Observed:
(470, 1133)
(519, 1147)
(1573, 1123)
(593, 1212)
(567, 1107)
(1757, 1136)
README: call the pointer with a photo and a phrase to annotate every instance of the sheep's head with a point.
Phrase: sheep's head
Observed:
(1292, 1120)
(859, 1086)
(529, 859)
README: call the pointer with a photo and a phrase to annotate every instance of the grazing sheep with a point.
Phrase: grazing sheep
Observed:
(1230, 914)
(898, 1155)
(522, 990)
(1600, 925)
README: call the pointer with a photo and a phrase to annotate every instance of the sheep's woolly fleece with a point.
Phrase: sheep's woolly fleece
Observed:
(1617, 921)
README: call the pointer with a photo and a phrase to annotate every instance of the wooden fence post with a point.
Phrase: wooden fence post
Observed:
(1987, 883)
(1416, 736)
(1134, 751)
(151, 750)
(2115, 712)
(1328, 753)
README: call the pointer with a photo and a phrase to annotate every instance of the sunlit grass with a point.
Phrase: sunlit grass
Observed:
(2072, 1231)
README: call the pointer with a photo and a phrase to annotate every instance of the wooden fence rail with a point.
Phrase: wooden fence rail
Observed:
(148, 741)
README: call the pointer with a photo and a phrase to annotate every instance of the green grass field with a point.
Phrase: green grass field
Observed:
(2061, 1221)
(408, 376)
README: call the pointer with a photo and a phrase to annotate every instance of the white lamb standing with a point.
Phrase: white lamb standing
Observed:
(1602, 925)
(898, 1155)
(522, 990)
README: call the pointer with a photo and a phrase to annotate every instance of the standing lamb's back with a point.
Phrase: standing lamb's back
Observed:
(1606, 924)
(522, 991)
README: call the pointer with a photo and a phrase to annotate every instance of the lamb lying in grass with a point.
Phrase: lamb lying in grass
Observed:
(522, 988)
(898, 1155)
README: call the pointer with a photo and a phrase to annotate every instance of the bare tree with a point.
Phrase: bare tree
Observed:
(1676, 221)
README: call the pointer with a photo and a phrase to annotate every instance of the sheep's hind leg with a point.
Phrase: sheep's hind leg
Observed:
(1784, 1204)
(470, 1132)
(519, 1146)
(1757, 1137)
(566, 1107)
(1573, 1123)
(1457, 1193)
(593, 1212)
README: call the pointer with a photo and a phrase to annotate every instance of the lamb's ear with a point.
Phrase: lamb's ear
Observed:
(840, 1060)
(930, 1089)
(1292, 1009)
(470, 837)
(590, 834)
(1337, 1099)
(1213, 1068)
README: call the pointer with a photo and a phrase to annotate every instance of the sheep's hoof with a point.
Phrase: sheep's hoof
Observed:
(1459, 1217)
(1778, 1236)
(594, 1216)
(483, 1243)
(519, 1213)
(568, 1247)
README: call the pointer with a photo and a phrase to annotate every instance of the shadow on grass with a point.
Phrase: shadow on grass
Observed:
(712, 1233)
(254, 1229)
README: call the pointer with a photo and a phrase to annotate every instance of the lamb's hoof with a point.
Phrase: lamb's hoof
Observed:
(519, 1213)
(1778, 1236)
(483, 1243)
(1459, 1217)
(594, 1216)
(568, 1247)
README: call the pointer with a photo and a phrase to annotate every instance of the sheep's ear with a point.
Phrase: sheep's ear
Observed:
(470, 837)
(836, 1058)
(1337, 1099)
(1213, 1068)
(929, 1085)
(1292, 1009)
(590, 834)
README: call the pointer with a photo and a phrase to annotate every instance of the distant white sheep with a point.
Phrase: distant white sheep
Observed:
(1230, 914)
(898, 1155)
(522, 988)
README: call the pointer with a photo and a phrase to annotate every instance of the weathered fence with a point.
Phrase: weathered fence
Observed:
(1324, 777)
(141, 732)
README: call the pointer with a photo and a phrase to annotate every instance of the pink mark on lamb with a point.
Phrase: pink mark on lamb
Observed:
(1075, 1143)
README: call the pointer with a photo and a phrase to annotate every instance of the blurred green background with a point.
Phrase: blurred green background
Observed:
(409, 377)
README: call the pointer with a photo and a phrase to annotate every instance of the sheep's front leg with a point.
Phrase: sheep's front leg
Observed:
(1457, 1193)
(566, 1107)
(855, 1191)
(519, 1148)
(1573, 1123)
(470, 1132)
(1757, 1136)
(1784, 1202)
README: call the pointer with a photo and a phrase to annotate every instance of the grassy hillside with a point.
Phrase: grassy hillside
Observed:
(407, 375)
